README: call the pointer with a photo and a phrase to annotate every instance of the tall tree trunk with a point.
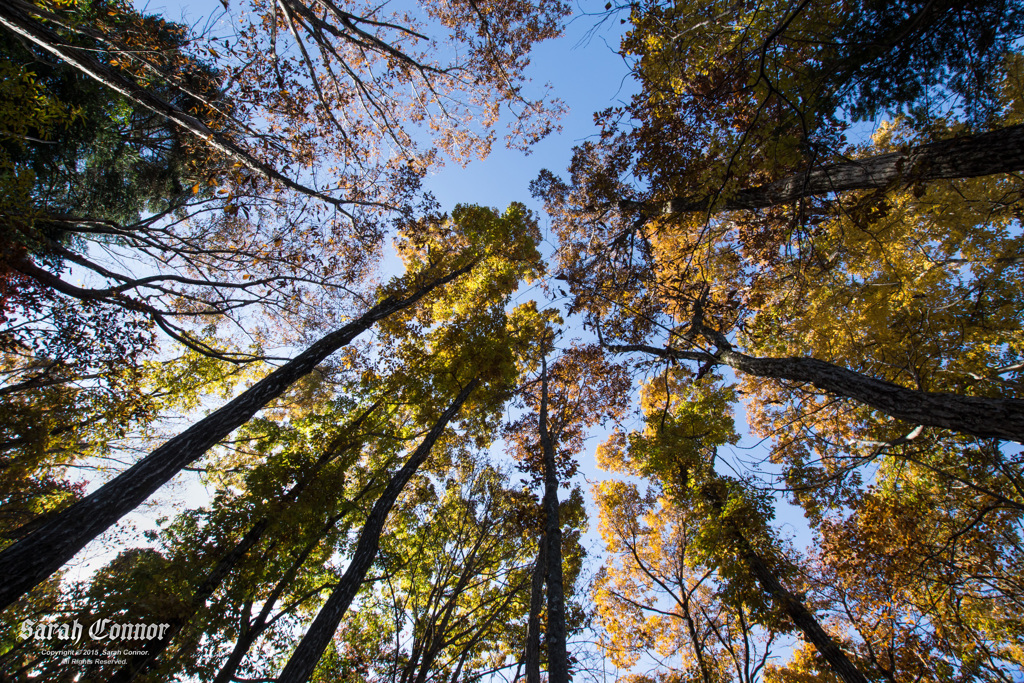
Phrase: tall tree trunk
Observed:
(34, 558)
(462, 661)
(990, 418)
(1000, 418)
(531, 660)
(248, 633)
(482, 629)
(304, 660)
(558, 661)
(802, 617)
(438, 632)
(997, 151)
(789, 603)
(252, 629)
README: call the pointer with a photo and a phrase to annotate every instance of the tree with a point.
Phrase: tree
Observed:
(156, 119)
(704, 285)
(74, 371)
(310, 649)
(367, 60)
(79, 524)
(686, 422)
(454, 583)
(866, 297)
(432, 363)
(580, 389)
(251, 543)
(990, 153)
(476, 349)
(144, 97)
(239, 107)
(41, 553)
(656, 599)
(316, 485)
(735, 97)
(302, 662)
(894, 561)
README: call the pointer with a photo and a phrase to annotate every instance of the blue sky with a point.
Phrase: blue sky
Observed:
(586, 73)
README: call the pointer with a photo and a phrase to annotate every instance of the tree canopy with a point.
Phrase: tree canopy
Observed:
(782, 285)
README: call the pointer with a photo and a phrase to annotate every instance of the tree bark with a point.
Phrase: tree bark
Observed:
(988, 418)
(304, 660)
(558, 662)
(789, 603)
(802, 617)
(997, 151)
(531, 659)
(34, 558)
(999, 418)
(248, 635)
(253, 628)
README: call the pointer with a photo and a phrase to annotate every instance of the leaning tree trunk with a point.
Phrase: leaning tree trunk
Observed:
(789, 603)
(802, 617)
(990, 418)
(34, 558)
(304, 660)
(252, 629)
(438, 628)
(998, 151)
(558, 662)
(999, 418)
(248, 634)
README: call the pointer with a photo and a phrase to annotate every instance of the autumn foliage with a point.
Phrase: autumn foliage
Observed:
(780, 289)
